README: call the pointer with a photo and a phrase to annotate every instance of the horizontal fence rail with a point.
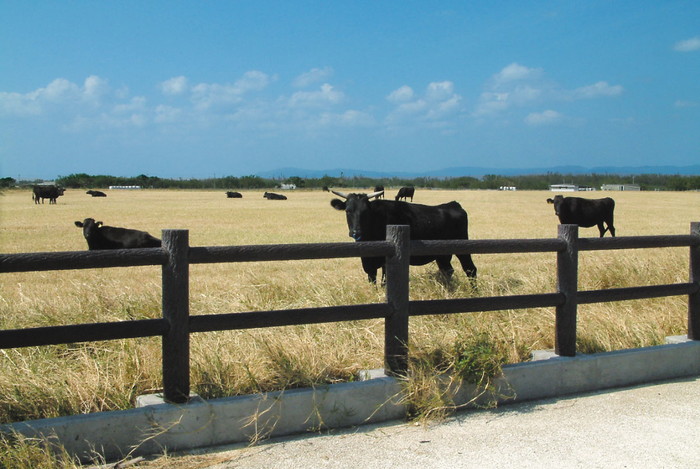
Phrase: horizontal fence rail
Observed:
(177, 323)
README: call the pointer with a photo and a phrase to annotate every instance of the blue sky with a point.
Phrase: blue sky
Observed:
(216, 88)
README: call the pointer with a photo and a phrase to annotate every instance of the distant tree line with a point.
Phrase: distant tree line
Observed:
(647, 182)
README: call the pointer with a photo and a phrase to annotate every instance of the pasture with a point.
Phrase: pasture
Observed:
(87, 377)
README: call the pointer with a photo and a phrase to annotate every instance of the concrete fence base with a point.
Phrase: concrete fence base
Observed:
(155, 425)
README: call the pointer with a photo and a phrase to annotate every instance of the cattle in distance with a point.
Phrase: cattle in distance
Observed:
(585, 212)
(273, 196)
(96, 193)
(405, 193)
(367, 220)
(99, 236)
(46, 192)
(234, 195)
(379, 189)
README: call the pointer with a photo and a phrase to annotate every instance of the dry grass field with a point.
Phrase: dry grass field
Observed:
(80, 378)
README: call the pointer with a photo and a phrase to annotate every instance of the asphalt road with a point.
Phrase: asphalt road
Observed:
(656, 426)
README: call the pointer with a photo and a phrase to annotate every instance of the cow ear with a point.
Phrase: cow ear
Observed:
(79, 224)
(338, 204)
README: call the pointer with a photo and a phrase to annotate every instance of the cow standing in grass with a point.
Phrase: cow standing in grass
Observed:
(585, 212)
(367, 221)
(46, 192)
(112, 237)
(405, 193)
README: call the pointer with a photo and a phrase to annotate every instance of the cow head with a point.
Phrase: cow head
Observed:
(556, 201)
(357, 211)
(88, 225)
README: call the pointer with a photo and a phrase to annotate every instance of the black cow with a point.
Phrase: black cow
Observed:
(234, 195)
(46, 192)
(405, 193)
(379, 189)
(585, 212)
(273, 196)
(111, 237)
(367, 221)
(96, 193)
(325, 189)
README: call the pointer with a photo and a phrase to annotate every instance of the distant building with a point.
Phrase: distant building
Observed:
(620, 187)
(507, 188)
(125, 187)
(563, 188)
(288, 187)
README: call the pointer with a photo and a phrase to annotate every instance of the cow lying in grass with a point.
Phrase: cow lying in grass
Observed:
(111, 237)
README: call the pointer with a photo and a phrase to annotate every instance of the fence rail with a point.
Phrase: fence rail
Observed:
(177, 324)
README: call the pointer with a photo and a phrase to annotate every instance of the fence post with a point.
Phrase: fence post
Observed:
(567, 283)
(176, 310)
(694, 298)
(396, 324)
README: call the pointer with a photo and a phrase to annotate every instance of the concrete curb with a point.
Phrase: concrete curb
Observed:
(156, 425)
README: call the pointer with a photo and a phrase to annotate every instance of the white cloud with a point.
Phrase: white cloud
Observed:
(315, 75)
(214, 95)
(688, 45)
(18, 105)
(440, 91)
(327, 95)
(401, 95)
(350, 118)
(516, 72)
(137, 103)
(57, 95)
(167, 114)
(602, 88)
(252, 81)
(685, 104)
(543, 118)
(95, 87)
(174, 86)
(438, 103)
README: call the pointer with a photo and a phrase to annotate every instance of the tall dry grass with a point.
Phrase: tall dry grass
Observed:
(78, 378)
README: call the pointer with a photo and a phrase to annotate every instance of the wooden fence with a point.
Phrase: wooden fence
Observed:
(177, 324)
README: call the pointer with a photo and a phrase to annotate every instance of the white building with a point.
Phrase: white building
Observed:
(620, 187)
(563, 188)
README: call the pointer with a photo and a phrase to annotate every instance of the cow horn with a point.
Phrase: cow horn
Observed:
(340, 194)
(375, 194)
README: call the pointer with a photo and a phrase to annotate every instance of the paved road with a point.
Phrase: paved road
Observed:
(655, 426)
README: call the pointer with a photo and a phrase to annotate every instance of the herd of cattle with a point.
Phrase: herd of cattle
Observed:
(367, 217)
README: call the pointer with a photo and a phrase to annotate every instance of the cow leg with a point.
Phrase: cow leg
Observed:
(611, 228)
(370, 269)
(445, 266)
(601, 229)
(467, 265)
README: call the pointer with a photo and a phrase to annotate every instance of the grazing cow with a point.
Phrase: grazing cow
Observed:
(325, 189)
(273, 196)
(585, 212)
(405, 193)
(46, 192)
(367, 221)
(379, 189)
(96, 193)
(234, 195)
(111, 237)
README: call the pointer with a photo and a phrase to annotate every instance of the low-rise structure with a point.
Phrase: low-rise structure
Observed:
(620, 187)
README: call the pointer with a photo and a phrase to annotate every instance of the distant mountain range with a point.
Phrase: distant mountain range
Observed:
(478, 172)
